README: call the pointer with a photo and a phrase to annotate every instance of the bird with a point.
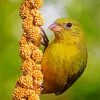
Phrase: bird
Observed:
(65, 58)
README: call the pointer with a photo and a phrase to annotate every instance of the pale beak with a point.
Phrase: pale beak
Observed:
(54, 27)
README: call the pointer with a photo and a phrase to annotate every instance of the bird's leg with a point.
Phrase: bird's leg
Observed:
(45, 40)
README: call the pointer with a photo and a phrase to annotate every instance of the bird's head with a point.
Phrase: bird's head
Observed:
(67, 29)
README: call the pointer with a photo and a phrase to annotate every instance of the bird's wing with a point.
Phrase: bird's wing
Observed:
(71, 79)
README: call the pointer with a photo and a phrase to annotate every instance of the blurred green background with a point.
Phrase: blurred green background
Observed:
(87, 12)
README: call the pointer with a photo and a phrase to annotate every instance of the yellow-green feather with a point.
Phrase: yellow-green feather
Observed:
(63, 58)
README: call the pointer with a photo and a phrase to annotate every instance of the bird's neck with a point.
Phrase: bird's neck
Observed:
(70, 40)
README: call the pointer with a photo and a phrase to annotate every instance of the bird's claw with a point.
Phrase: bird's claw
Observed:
(45, 40)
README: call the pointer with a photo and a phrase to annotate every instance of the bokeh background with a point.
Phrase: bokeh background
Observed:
(87, 12)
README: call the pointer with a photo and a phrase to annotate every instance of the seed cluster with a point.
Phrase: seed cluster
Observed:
(28, 86)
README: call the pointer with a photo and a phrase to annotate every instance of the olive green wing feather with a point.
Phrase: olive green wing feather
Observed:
(71, 79)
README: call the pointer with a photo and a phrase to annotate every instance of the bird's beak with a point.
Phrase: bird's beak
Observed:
(54, 27)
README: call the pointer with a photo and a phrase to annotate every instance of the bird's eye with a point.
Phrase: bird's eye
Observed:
(68, 25)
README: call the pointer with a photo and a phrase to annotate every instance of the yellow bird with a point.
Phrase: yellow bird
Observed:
(65, 58)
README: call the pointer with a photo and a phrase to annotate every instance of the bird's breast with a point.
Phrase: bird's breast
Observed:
(58, 62)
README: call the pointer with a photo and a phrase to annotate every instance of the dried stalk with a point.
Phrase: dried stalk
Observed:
(28, 86)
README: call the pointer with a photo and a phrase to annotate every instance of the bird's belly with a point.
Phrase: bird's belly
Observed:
(55, 76)
(54, 79)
